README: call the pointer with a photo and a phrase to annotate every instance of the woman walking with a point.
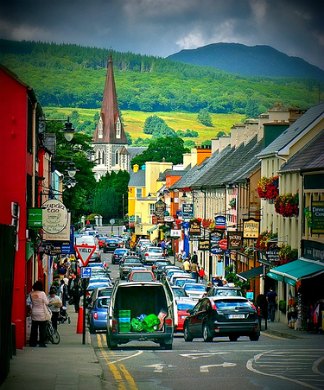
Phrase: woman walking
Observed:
(39, 315)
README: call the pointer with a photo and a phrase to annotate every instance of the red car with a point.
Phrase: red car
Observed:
(183, 304)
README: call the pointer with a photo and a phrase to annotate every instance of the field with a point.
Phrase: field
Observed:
(134, 121)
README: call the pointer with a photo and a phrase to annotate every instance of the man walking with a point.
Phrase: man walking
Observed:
(272, 301)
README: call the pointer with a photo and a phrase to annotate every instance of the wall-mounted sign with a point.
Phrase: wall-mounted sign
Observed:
(317, 217)
(55, 216)
(35, 219)
(220, 222)
(251, 228)
(175, 233)
(216, 235)
(235, 240)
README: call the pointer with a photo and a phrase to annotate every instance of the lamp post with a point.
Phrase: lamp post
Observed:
(68, 129)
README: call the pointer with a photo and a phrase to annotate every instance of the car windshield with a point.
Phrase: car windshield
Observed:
(180, 282)
(154, 250)
(132, 261)
(105, 292)
(191, 287)
(231, 304)
(185, 306)
(179, 292)
(120, 251)
(228, 292)
(142, 277)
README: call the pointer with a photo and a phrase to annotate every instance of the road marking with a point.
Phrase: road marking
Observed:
(194, 356)
(114, 370)
(225, 364)
(157, 367)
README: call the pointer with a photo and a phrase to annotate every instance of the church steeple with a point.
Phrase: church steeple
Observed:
(110, 129)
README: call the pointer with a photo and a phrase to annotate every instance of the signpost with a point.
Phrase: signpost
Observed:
(84, 253)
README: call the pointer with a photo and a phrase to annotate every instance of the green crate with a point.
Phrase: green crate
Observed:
(124, 314)
(124, 327)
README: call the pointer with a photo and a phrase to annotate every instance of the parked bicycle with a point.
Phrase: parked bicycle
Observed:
(52, 334)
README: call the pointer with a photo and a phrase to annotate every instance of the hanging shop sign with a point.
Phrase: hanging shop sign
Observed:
(159, 209)
(235, 240)
(187, 210)
(64, 235)
(174, 233)
(251, 228)
(223, 244)
(194, 228)
(203, 245)
(272, 254)
(220, 222)
(55, 216)
(35, 220)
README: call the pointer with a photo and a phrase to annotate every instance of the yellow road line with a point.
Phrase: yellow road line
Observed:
(114, 369)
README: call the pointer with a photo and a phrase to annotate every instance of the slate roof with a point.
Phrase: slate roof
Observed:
(197, 171)
(137, 179)
(301, 124)
(226, 168)
(310, 157)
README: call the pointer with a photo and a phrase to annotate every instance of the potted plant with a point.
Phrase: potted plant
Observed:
(268, 187)
(287, 205)
(286, 254)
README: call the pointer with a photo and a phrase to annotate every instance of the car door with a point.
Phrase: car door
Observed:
(196, 319)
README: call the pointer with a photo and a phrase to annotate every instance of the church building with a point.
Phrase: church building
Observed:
(109, 140)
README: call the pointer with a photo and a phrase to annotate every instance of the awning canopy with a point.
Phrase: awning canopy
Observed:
(296, 270)
(150, 231)
(251, 273)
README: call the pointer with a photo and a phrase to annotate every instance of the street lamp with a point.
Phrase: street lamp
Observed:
(68, 127)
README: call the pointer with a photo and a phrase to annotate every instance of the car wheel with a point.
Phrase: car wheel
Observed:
(254, 336)
(110, 343)
(186, 333)
(233, 338)
(207, 336)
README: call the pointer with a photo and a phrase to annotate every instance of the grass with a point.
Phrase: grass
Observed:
(134, 121)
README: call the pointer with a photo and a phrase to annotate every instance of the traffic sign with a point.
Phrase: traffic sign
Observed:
(86, 272)
(84, 252)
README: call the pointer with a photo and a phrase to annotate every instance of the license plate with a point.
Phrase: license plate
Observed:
(236, 316)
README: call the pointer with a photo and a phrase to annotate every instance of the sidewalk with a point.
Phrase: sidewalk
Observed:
(280, 329)
(69, 365)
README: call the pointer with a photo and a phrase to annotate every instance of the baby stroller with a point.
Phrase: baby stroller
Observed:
(63, 316)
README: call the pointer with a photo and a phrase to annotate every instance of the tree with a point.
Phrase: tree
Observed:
(204, 117)
(77, 199)
(157, 127)
(161, 149)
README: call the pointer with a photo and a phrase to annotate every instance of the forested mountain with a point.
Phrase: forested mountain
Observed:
(69, 75)
(260, 60)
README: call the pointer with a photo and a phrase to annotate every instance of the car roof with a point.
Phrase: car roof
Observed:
(228, 298)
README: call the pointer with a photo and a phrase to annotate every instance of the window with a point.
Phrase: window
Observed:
(118, 128)
(100, 128)
(152, 209)
(138, 192)
(116, 157)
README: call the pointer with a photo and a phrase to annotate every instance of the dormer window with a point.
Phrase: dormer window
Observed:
(118, 128)
(100, 128)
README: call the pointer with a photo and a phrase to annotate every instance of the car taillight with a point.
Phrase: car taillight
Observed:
(95, 316)
(168, 321)
(146, 254)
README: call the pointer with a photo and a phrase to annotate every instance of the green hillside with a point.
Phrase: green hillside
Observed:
(73, 76)
(134, 121)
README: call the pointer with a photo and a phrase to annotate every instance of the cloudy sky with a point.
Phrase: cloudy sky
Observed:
(163, 27)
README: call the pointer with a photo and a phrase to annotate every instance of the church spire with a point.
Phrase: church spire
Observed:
(110, 129)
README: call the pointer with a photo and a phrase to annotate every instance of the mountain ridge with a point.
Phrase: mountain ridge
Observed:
(258, 60)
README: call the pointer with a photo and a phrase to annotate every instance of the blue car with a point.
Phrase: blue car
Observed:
(97, 316)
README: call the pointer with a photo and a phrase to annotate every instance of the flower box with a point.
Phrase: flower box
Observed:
(268, 187)
(287, 205)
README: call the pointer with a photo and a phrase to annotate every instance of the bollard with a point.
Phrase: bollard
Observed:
(80, 321)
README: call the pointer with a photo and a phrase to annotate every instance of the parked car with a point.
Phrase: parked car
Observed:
(224, 291)
(92, 241)
(141, 276)
(158, 265)
(151, 253)
(178, 292)
(97, 317)
(135, 299)
(97, 293)
(111, 245)
(194, 290)
(118, 254)
(222, 316)
(183, 305)
(127, 264)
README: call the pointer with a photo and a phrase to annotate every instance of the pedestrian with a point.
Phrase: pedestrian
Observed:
(194, 258)
(38, 302)
(272, 303)
(194, 271)
(64, 295)
(76, 293)
(55, 305)
(186, 266)
(201, 274)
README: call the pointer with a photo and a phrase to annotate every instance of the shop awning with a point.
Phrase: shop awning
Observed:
(251, 273)
(296, 270)
(152, 229)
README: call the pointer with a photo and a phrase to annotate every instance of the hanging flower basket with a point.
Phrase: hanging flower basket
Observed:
(286, 254)
(287, 205)
(206, 223)
(268, 187)
(263, 240)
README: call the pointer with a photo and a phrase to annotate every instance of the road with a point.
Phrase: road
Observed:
(271, 363)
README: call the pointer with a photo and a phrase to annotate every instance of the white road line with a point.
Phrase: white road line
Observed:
(225, 364)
